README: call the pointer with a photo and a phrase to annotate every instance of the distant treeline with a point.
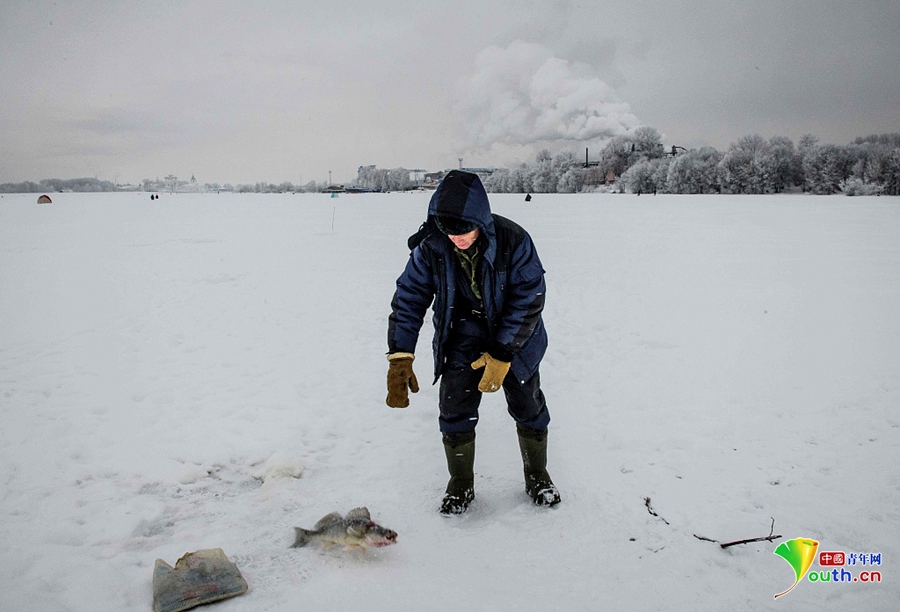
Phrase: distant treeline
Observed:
(78, 185)
(286, 187)
(638, 163)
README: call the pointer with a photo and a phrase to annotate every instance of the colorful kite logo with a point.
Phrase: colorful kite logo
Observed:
(800, 553)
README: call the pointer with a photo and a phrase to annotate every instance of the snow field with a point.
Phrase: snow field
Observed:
(208, 371)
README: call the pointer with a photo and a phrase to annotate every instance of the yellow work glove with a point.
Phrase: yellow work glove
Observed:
(400, 378)
(494, 372)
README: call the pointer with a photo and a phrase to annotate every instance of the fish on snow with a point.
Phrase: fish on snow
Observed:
(356, 530)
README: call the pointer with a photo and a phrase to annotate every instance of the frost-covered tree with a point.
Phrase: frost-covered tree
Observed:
(855, 186)
(891, 173)
(660, 169)
(542, 177)
(782, 163)
(684, 175)
(618, 154)
(695, 171)
(736, 171)
(505, 181)
(367, 177)
(374, 178)
(398, 180)
(748, 166)
(519, 181)
(646, 176)
(825, 167)
(807, 141)
(497, 182)
(891, 141)
(638, 178)
(567, 172)
(875, 163)
(647, 142)
(571, 181)
(565, 161)
(560, 173)
(23, 187)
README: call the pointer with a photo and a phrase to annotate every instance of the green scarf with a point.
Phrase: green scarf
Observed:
(469, 263)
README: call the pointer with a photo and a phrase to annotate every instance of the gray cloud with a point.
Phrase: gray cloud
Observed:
(288, 91)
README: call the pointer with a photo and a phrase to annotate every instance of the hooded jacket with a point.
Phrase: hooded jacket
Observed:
(511, 281)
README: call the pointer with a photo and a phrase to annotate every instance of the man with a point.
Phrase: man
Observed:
(482, 275)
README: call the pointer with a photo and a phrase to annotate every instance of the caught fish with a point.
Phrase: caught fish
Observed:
(356, 530)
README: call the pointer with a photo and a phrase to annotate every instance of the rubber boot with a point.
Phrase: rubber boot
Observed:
(460, 451)
(538, 485)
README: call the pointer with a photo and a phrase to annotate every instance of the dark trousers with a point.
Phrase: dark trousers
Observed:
(460, 397)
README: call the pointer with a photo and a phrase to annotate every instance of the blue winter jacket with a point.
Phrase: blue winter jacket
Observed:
(512, 281)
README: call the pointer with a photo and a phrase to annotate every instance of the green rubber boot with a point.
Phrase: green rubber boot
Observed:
(538, 485)
(460, 451)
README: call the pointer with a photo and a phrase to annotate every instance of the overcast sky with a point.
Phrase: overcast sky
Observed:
(289, 90)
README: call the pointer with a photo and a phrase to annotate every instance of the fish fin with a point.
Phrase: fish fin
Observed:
(327, 519)
(359, 513)
(357, 530)
(303, 536)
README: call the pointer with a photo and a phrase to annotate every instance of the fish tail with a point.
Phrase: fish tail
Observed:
(303, 537)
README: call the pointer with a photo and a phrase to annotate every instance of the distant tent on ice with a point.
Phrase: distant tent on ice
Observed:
(45, 199)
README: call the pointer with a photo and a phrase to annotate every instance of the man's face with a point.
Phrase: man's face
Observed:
(464, 241)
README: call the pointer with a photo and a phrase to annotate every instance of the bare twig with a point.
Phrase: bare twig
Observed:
(705, 539)
(651, 511)
(767, 538)
(751, 540)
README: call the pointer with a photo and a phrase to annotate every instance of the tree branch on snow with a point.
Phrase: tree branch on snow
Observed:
(652, 511)
(767, 538)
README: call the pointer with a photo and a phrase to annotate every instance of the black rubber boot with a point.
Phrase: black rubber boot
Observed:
(538, 485)
(460, 451)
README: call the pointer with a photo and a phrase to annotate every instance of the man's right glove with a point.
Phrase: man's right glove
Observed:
(494, 372)
(400, 378)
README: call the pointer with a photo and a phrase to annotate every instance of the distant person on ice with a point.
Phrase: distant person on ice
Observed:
(483, 275)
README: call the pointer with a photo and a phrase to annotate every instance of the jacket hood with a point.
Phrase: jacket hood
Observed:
(461, 195)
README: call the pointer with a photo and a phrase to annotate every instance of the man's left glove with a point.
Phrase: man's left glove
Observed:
(400, 379)
(494, 372)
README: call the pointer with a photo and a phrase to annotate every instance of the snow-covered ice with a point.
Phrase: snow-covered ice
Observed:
(208, 371)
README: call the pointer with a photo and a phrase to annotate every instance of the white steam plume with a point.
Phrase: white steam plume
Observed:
(523, 95)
